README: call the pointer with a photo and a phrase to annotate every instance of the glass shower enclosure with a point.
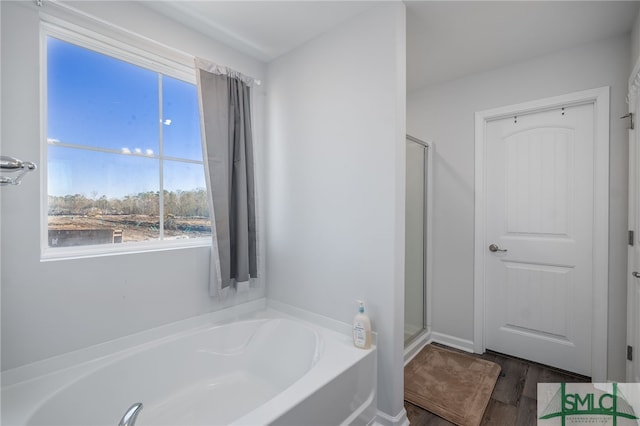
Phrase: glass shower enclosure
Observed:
(415, 315)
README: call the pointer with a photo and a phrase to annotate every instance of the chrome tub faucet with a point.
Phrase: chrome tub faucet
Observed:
(129, 418)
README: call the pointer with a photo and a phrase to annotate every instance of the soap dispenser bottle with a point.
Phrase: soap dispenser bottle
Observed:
(361, 328)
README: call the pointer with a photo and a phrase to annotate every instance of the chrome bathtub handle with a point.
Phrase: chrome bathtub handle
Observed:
(129, 418)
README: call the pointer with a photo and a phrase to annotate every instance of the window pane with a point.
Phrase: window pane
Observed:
(107, 136)
(185, 201)
(101, 198)
(181, 122)
(96, 100)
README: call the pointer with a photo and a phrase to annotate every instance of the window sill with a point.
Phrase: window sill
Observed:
(71, 253)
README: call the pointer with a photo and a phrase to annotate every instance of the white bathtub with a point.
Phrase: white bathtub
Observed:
(266, 368)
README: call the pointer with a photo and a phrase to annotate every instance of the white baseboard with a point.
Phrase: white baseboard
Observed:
(431, 336)
(451, 341)
(383, 419)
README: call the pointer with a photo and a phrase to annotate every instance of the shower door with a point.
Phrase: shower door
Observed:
(415, 239)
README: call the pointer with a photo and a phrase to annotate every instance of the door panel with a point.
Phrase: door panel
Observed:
(528, 309)
(539, 189)
(536, 193)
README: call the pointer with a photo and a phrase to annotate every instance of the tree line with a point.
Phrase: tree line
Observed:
(177, 203)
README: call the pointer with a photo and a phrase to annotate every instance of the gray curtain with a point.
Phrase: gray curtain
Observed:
(227, 148)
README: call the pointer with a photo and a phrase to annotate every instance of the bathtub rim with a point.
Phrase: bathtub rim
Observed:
(58, 363)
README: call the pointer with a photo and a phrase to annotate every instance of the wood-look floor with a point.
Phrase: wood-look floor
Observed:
(513, 401)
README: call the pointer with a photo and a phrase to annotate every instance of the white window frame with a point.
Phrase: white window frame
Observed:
(54, 27)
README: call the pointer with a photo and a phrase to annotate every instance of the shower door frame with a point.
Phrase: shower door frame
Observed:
(427, 272)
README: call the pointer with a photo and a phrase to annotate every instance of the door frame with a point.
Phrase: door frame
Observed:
(633, 221)
(599, 97)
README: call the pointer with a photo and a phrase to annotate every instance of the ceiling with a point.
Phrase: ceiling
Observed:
(445, 39)
(263, 29)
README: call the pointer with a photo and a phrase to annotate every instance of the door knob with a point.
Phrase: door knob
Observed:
(636, 274)
(494, 248)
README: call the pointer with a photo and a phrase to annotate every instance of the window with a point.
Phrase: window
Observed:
(124, 157)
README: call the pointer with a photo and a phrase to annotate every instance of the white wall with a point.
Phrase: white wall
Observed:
(335, 183)
(49, 308)
(445, 115)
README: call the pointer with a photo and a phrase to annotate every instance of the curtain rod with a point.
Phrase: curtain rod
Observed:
(214, 68)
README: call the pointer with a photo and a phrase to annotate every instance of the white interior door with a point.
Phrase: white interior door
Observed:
(539, 183)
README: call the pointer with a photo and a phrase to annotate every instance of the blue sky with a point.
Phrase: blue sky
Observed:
(101, 102)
